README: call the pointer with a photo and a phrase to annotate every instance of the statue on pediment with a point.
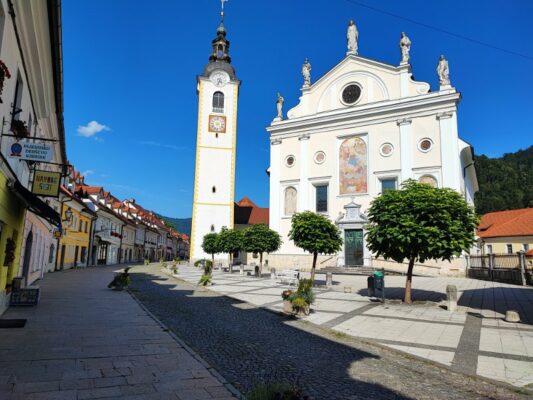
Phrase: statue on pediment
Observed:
(279, 105)
(352, 35)
(306, 73)
(443, 71)
(405, 47)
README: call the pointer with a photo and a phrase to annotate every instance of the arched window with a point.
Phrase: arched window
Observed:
(291, 200)
(428, 180)
(212, 228)
(218, 102)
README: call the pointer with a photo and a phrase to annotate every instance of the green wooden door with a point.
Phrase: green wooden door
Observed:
(353, 247)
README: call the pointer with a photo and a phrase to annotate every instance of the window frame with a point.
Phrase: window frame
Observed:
(317, 186)
(218, 98)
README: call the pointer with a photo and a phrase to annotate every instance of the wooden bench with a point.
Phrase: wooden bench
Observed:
(289, 276)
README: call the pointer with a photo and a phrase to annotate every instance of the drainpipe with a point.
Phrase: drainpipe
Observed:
(120, 246)
(91, 241)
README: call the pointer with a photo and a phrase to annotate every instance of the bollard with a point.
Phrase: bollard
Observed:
(242, 269)
(256, 269)
(451, 295)
(273, 273)
(329, 279)
(512, 316)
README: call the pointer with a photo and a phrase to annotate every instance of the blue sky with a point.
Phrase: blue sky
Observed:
(130, 66)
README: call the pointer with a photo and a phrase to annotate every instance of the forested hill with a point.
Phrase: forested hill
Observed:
(182, 225)
(505, 183)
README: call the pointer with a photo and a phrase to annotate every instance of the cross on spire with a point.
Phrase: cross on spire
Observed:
(222, 9)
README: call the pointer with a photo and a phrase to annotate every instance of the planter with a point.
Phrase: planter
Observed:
(287, 307)
(302, 311)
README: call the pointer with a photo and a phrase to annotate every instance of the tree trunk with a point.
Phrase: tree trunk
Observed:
(212, 262)
(230, 266)
(407, 295)
(315, 255)
(260, 264)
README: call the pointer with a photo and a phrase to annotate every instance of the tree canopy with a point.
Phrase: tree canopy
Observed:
(230, 241)
(260, 239)
(211, 245)
(316, 234)
(419, 223)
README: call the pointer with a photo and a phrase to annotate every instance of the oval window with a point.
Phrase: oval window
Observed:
(290, 160)
(425, 145)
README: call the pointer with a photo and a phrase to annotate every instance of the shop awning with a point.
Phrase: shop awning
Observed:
(36, 205)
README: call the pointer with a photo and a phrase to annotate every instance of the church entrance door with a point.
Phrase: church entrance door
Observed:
(353, 247)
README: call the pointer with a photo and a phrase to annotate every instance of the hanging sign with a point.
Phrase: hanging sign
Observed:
(46, 183)
(24, 150)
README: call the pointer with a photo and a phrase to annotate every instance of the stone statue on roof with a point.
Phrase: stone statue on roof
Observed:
(279, 105)
(405, 47)
(352, 35)
(306, 73)
(443, 71)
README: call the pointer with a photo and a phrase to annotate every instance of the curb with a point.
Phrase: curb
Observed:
(195, 355)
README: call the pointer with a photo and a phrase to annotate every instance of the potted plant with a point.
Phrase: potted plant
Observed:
(287, 305)
(121, 280)
(4, 74)
(9, 252)
(303, 297)
(205, 280)
(19, 128)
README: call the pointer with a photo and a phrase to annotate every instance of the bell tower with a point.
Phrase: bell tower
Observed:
(214, 178)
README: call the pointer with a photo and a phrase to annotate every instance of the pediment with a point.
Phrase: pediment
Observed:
(378, 82)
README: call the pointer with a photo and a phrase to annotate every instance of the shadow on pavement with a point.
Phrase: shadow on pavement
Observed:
(250, 346)
(397, 293)
(500, 299)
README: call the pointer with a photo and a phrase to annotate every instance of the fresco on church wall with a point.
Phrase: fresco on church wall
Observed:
(353, 166)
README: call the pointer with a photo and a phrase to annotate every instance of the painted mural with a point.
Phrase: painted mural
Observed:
(353, 166)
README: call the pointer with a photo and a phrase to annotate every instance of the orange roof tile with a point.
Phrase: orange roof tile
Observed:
(506, 223)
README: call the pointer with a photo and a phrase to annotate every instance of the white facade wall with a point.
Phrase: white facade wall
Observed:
(215, 165)
(392, 109)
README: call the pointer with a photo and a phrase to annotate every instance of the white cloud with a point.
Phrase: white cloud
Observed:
(91, 129)
(87, 173)
(167, 146)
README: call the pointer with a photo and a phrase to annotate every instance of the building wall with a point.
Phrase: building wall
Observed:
(500, 245)
(75, 236)
(215, 165)
(11, 226)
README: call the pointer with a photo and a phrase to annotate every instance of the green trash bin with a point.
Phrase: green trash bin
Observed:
(379, 283)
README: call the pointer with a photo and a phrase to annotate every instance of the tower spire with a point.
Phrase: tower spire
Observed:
(220, 43)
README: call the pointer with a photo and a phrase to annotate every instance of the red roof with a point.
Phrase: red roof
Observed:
(246, 212)
(506, 223)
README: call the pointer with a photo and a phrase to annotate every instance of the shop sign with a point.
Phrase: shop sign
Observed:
(46, 183)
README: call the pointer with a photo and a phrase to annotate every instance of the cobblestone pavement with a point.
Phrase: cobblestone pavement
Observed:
(249, 345)
(473, 340)
(85, 341)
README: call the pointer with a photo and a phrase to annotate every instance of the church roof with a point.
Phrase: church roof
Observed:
(246, 212)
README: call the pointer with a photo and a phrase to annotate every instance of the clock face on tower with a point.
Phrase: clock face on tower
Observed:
(217, 123)
(219, 78)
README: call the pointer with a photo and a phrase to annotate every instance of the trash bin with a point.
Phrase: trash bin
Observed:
(378, 280)
(370, 286)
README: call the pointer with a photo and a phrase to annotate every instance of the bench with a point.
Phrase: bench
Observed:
(289, 276)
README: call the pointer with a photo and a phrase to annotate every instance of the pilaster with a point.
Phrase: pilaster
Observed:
(274, 207)
(304, 173)
(406, 146)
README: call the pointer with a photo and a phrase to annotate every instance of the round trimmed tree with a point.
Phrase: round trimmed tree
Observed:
(211, 246)
(316, 234)
(260, 239)
(419, 223)
(230, 241)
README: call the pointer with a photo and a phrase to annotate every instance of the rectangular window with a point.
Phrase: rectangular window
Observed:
(388, 184)
(83, 253)
(86, 223)
(489, 249)
(80, 227)
(322, 198)
(526, 247)
(509, 249)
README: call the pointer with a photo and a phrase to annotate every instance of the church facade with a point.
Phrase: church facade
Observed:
(362, 128)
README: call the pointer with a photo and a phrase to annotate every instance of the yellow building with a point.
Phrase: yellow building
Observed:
(77, 221)
(12, 212)
(506, 232)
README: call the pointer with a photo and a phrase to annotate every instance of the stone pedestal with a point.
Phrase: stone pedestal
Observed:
(451, 295)
(329, 279)
(241, 267)
(272, 273)
(512, 316)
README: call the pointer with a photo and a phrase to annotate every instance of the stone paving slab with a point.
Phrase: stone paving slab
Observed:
(84, 341)
(463, 340)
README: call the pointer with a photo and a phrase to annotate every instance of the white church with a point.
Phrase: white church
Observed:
(361, 128)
